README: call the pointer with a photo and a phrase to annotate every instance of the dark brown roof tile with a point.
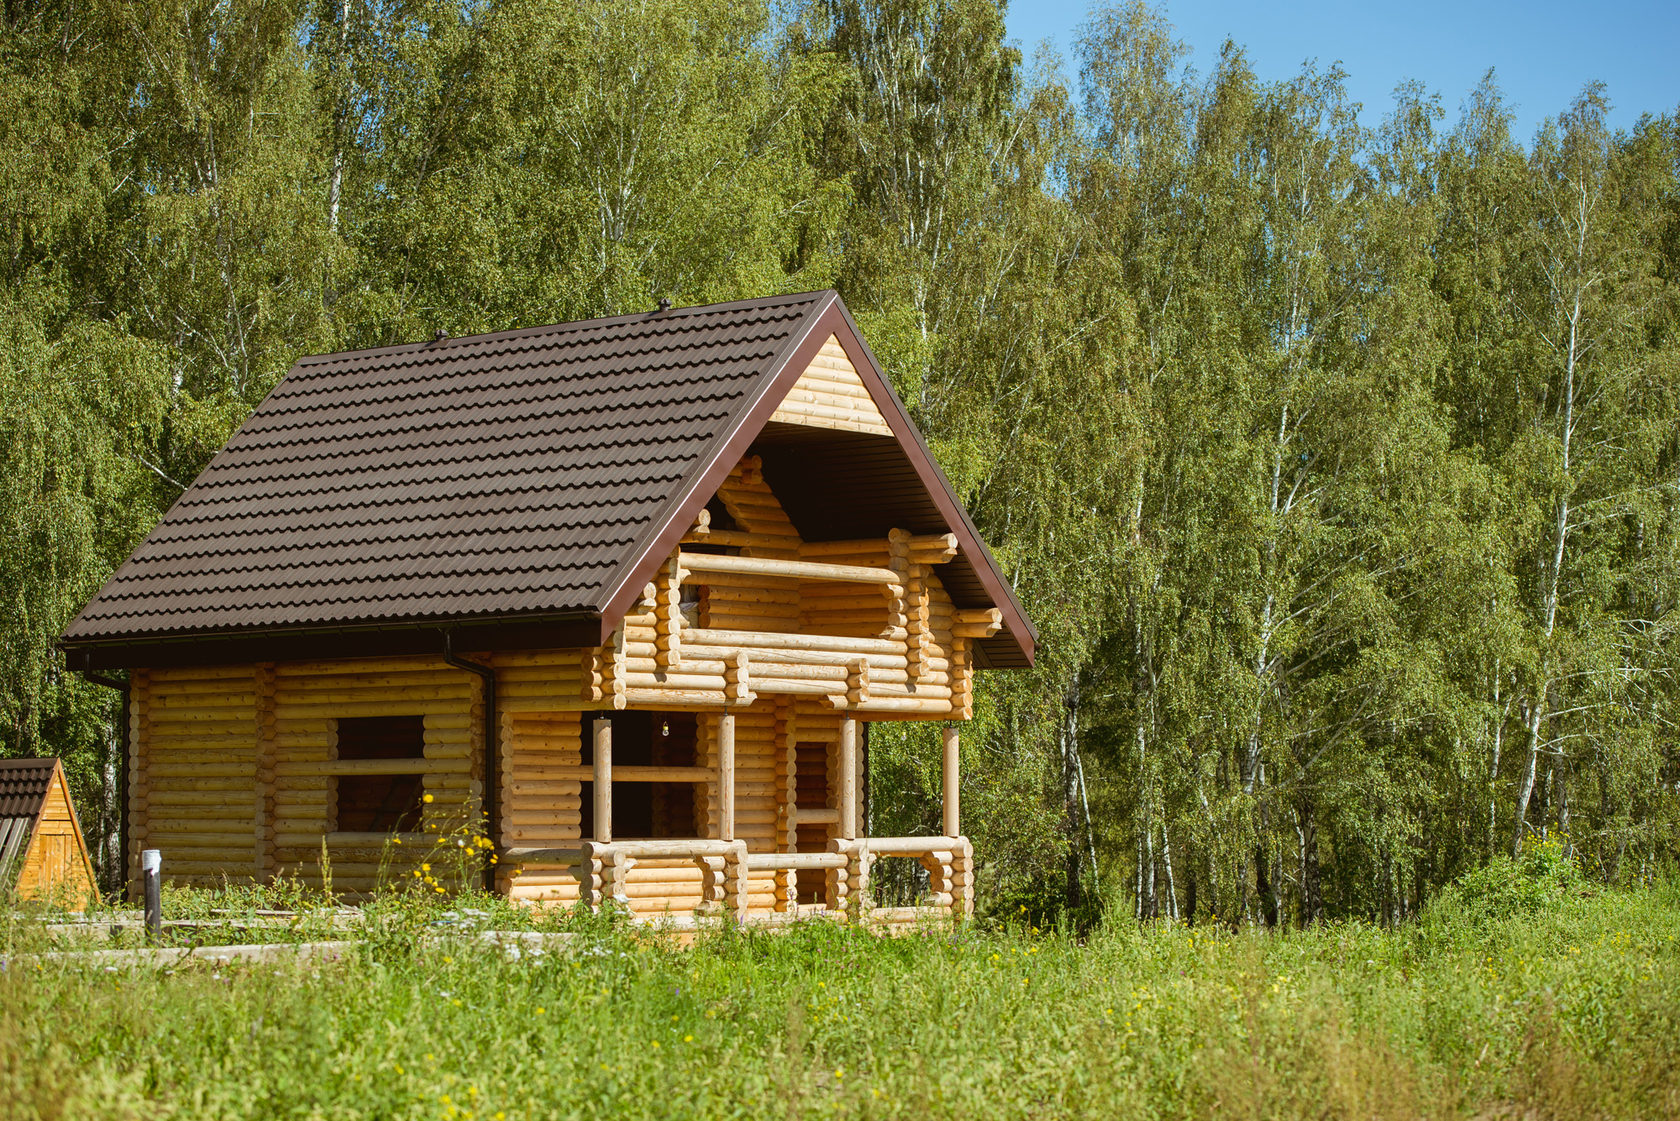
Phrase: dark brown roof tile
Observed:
(495, 475)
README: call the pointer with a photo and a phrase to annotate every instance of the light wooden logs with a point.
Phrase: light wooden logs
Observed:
(335, 767)
(793, 861)
(603, 774)
(667, 599)
(726, 776)
(929, 548)
(702, 563)
(566, 857)
(962, 878)
(907, 846)
(783, 743)
(948, 738)
(777, 640)
(857, 682)
(962, 680)
(672, 849)
(737, 677)
(714, 659)
(375, 840)
(759, 540)
(977, 622)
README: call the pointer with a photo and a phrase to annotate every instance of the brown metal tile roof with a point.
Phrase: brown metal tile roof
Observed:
(23, 784)
(521, 476)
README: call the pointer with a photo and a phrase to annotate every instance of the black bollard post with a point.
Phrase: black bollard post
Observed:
(151, 878)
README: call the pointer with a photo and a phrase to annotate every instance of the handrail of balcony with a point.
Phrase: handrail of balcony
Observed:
(793, 861)
(700, 563)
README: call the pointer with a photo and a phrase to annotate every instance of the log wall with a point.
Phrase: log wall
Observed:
(830, 394)
(197, 795)
(309, 699)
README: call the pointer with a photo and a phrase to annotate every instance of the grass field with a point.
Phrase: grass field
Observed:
(1567, 1008)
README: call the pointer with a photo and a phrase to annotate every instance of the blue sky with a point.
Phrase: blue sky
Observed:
(1544, 52)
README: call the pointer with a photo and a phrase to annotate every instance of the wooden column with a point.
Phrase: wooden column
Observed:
(848, 778)
(603, 781)
(952, 816)
(726, 777)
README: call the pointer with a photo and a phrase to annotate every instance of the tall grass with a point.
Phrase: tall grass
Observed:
(1567, 1009)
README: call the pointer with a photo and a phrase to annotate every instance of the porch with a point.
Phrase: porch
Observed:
(724, 874)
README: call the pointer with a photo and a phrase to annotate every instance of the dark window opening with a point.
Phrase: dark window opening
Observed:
(721, 518)
(811, 792)
(643, 810)
(695, 605)
(380, 803)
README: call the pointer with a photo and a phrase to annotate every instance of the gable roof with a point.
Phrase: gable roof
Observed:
(529, 480)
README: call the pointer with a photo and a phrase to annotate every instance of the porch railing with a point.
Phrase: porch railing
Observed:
(603, 871)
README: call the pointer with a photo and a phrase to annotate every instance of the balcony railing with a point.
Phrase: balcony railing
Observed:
(726, 867)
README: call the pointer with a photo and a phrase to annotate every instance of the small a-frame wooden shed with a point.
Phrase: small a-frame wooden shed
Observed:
(42, 853)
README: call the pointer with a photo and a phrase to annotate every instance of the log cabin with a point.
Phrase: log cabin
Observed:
(623, 596)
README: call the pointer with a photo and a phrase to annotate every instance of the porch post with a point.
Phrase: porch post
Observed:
(953, 821)
(726, 777)
(848, 778)
(603, 781)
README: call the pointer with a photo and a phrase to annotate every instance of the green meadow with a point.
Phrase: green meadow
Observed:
(1564, 1003)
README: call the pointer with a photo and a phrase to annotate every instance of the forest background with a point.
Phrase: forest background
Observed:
(1338, 461)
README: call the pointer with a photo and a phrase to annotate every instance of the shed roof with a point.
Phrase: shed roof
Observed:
(528, 480)
(23, 785)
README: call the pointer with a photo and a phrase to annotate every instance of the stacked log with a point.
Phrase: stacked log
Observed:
(830, 394)
(737, 678)
(666, 594)
(765, 531)
(310, 698)
(199, 789)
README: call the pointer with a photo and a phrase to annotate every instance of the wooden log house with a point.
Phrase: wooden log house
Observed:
(630, 591)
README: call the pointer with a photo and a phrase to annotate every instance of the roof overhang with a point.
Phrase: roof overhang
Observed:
(384, 641)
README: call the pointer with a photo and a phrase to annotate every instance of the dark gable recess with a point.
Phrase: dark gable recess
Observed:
(517, 489)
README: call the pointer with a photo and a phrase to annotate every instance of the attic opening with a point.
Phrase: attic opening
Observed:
(645, 810)
(379, 803)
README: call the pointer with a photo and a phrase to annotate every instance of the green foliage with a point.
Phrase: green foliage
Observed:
(1540, 878)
